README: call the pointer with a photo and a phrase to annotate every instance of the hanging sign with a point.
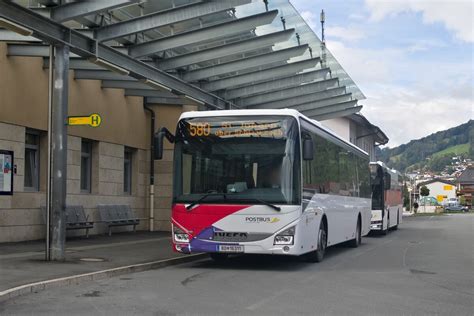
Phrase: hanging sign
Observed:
(93, 120)
(6, 172)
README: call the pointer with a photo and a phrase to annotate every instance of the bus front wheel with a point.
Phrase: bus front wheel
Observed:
(358, 236)
(318, 254)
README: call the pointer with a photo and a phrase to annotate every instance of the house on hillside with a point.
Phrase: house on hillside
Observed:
(440, 189)
(465, 183)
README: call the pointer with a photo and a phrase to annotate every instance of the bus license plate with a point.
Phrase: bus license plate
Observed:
(231, 248)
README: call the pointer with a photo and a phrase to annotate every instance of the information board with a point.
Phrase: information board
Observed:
(6, 172)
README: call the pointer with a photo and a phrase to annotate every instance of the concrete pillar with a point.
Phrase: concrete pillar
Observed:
(59, 153)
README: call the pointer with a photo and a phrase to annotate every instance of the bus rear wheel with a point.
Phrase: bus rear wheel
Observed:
(354, 243)
(318, 254)
(219, 257)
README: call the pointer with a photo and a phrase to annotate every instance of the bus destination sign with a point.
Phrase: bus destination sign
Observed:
(272, 129)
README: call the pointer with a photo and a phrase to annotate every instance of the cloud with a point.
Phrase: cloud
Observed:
(357, 17)
(456, 15)
(407, 98)
(407, 114)
(420, 45)
(367, 66)
(349, 34)
(311, 19)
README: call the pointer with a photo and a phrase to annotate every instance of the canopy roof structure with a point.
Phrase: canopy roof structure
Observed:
(219, 54)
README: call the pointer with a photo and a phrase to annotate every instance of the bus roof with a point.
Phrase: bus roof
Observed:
(384, 166)
(282, 112)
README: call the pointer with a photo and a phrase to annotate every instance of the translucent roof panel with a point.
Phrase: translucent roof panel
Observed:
(306, 36)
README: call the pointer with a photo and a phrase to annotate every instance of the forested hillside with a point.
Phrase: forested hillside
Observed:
(433, 152)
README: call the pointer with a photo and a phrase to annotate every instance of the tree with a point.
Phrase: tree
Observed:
(424, 191)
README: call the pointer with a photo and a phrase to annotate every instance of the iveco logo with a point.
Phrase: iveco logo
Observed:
(256, 219)
(230, 235)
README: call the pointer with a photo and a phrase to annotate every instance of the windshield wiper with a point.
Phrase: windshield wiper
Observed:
(202, 198)
(276, 208)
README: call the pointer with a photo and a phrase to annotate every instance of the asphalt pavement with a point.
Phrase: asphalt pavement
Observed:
(426, 267)
(23, 262)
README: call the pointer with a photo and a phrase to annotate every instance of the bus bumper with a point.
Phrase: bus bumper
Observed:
(264, 246)
(376, 225)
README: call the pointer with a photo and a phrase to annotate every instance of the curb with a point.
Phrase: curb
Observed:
(93, 276)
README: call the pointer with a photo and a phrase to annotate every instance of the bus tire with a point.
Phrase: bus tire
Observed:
(318, 254)
(219, 257)
(354, 243)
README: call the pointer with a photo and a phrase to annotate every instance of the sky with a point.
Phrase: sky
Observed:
(413, 59)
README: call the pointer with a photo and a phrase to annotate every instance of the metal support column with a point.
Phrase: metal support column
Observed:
(59, 153)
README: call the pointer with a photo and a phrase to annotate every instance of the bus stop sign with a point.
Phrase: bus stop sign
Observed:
(93, 120)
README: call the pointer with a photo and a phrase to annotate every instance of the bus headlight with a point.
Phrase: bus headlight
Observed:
(180, 235)
(286, 237)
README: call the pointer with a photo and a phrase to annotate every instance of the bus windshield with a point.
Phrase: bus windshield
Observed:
(376, 173)
(246, 158)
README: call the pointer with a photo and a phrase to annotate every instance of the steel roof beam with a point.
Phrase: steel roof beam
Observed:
(30, 50)
(149, 93)
(264, 75)
(83, 74)
(73, 10)
(289, 93)
(329, 108)
(76, 63)
(301, 99)
(54, 32)
(308, 105)
(162, 18)
(125, 84)
(202, 34)
(225, 50)
(324, 103)
(277, 84)
(9, 36)
(164, 100)
(48, 2)
(341, 113)
(245, 63)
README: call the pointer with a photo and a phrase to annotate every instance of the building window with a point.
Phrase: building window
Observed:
(31, 161)
(127, 170)
(86, 166)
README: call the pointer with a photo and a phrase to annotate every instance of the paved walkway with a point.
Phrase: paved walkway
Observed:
(23, 263)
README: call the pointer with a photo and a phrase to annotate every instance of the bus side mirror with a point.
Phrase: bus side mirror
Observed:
(308, 153)
(158, 142)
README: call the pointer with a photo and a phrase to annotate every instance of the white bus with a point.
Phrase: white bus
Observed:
(265, 182)
(387, 201)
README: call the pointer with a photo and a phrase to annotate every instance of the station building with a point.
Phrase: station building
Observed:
(140, 64)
